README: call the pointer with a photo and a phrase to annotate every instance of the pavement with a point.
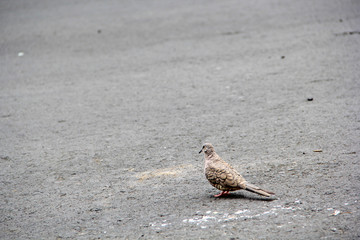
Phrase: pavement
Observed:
(104, 106)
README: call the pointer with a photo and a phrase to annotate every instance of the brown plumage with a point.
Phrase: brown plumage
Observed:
(223, 176)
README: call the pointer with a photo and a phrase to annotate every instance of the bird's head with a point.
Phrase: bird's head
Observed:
(207, 149)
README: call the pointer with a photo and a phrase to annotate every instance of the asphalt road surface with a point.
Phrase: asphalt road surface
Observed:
(104, 106)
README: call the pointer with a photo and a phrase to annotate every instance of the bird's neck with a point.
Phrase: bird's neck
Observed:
(211, 155)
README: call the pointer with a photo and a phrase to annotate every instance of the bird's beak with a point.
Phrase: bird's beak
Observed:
(201, 150)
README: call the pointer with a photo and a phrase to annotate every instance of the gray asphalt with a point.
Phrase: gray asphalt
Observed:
(104, 106)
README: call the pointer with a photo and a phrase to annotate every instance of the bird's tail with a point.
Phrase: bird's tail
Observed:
(255, 189)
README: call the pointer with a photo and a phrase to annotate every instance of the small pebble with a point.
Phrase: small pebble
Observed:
(336, 212)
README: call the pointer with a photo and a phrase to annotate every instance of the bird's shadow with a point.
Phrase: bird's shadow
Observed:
(244, 196)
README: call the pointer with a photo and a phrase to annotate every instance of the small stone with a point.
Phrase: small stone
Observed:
(7, 158)
(336, 212)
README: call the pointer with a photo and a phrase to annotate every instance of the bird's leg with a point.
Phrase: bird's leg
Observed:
(222, 193)
(218, 195)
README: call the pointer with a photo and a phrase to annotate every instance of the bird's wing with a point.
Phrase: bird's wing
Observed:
(223, 177)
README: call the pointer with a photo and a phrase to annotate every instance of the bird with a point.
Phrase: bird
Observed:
(224, 177)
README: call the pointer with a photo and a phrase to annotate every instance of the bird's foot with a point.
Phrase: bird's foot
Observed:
(222, 194)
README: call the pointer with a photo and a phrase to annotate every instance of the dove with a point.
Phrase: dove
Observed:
(224, 177)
